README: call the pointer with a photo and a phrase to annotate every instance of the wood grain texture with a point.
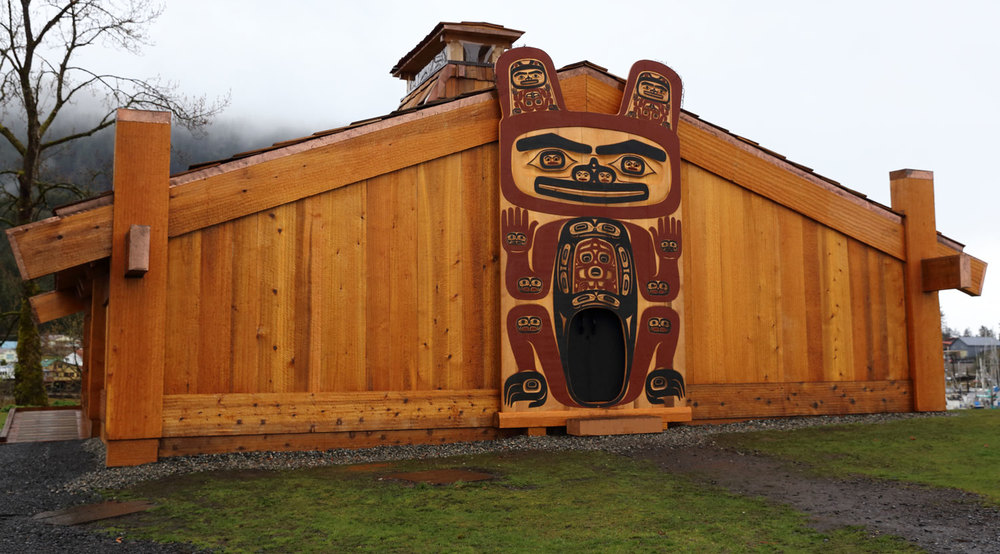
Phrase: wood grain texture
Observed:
(134, 452)
(913, 195)
(94, 355)
(387, 284)
(776, 297)
(52, 305)
(947, 272)
(724, 401)
(252, 414)
(137, 307)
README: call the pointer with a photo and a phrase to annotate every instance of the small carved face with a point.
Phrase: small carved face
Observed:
(668, 246)
(658, 325)
(531, 285)
(595, 267)
(658, 288)
(516, 239)
(652, 89)
(528, 324)
(527, 74)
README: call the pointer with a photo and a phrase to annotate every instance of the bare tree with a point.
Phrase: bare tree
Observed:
(39, 43)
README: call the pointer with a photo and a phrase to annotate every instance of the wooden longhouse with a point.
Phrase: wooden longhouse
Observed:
(344, 289)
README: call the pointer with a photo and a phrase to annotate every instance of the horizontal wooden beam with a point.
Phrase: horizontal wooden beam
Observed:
(977, 267)
(59, 243)
(255, 414)
(946, 272)
(49, 306)
(558, 418)
(746, 400)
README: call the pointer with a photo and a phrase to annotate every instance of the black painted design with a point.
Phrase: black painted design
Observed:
(526, 385)
(663, 383)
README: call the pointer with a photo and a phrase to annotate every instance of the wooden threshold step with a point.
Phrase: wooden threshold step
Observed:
(628, 425)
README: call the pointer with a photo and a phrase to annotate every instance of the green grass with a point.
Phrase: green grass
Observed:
(574, 501)
(961, 451)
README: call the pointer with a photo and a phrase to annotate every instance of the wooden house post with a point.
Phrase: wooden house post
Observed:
(95, 342)
(136, 314)
(913, 196)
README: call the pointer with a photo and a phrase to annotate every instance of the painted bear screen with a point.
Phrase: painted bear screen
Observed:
(590, 229)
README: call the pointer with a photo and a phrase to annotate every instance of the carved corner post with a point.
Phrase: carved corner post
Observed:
(136, 311)
(913, 196)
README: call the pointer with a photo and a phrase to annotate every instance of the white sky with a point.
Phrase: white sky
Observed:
(853, 89)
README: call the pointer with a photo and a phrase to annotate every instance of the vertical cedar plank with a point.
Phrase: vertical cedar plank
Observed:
(912, 194)
(489, 211)
(379, 203)
(899, 356)
(429, 214)
(812, 264)
(879, 319)
(309, 227)
(794, 310)
(402, 338)
(137, 307)
(765, 250)
(276, 334)
(455, 222)
(837, 349)
(474, 236)
(861, 310)
(215, 319)
(182, 332)
(737, 290)
(435, 185)
(392, 293)
(245, 308)
(344, 313)
(702, 253)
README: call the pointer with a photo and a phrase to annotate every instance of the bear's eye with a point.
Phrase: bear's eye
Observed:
(633, 166)
(551, 159)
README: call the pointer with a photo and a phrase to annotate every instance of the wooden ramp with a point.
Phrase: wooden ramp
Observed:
(42, 424)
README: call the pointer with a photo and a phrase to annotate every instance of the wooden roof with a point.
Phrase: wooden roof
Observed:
(219, 191)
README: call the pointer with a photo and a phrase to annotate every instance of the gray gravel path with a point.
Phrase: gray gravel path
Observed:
(33, 478)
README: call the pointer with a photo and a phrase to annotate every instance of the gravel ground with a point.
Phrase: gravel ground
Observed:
(48, 476)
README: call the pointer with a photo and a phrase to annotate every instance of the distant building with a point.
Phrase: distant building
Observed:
(970, 347)
(8, 357)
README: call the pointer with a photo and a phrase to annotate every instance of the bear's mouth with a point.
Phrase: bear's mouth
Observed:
(591, 193)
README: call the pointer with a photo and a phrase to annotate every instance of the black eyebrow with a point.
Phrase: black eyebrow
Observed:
(633, 147)
(552, 140)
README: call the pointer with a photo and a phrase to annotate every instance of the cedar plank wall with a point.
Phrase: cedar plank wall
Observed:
(374, 306)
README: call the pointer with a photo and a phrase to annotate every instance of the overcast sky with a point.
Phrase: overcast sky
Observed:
(853, 89)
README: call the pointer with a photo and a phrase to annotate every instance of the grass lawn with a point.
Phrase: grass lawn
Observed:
(960, 451)
(540, 501)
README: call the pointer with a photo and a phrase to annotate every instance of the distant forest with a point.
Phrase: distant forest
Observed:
(88, 163)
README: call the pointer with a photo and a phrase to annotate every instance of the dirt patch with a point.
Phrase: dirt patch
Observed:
(939, 520)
